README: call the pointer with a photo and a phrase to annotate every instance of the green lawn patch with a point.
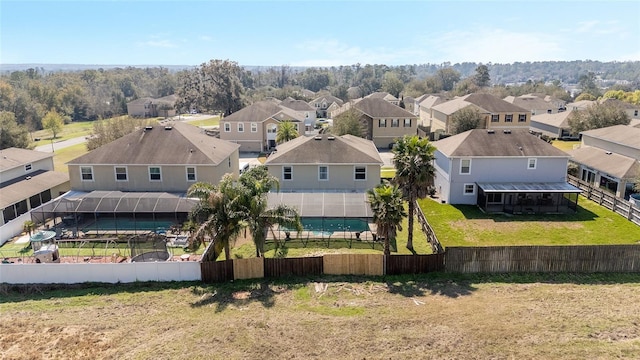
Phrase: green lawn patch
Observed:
(565, 145)
(387, 172)
(466, 225)
(64, 155)
(212, 121)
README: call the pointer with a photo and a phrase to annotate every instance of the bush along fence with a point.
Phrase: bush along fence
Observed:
(607, 199)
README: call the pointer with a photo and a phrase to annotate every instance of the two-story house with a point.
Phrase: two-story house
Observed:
(384, 96)
(554, 125)
(506, 170)
(255, 127)
(535, 104)
(609, 158)
(150, 107)
(27, 180)
(496, 113)
(304, 111)
(425, 103)
(383, 122)
(325, 104)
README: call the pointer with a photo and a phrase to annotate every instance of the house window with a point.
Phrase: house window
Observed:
(469, 189)
(272, 129)
(508, 118)
(154, 173)
(227, 127)
(287, 173)
(495, 118)
(465, 166)
(635, 112)
(191, 174)
(494, 198)
(240, 127)
(382, 122)
(360, 173)
(27, 167)
(323, 173)
(395, 123)
(531, 164)
(86, 173)
(306, 114)
(549, 111)
(522, 118)
(121, 173)
(254, 127)
(407, 122)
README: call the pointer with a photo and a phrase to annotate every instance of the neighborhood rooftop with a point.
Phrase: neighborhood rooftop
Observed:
(326, 149)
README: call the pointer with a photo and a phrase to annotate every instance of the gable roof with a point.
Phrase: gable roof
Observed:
(559, 120)
(451, 106)
(379, 108)
(530, 102)
(487, 143)
(257, 112)
(18, 189)
(140, 101)
(429, 101)
(329, 99)
(614, 164)
(621, 134)
(14, 157)
(297, 105)
(619, 103)
(492, 103)
(382, 95)
(580, 105)
(326, 149)
(182, 144)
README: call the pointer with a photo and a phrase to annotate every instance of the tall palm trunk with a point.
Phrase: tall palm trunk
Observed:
(412, 209)
(387, 241)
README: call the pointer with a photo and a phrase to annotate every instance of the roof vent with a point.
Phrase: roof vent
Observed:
(506, 131)
(28, 178)
(318, 137)
(331, 138)
(148, 127)
(168, 127)
(609, 153)
(490, 131)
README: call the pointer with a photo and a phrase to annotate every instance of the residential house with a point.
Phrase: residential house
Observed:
(580, 105)
(150, 107)
(155, 159)
(425, 104)
(304, 111)
(383, 121)
(535, 104)
(553, 125)
(506, 170)
(325, 104)
(27, 180)
(255, 127)
(497, 113)
(384, 96)
(410, 104)
(633, 111)
(609, 158)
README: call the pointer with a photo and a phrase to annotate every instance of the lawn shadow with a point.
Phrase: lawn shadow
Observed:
(419, 285)
(473, 212)
(238, 294)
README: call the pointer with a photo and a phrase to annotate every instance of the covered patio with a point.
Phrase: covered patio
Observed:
(528, 198)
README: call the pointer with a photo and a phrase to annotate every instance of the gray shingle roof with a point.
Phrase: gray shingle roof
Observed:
(614, 164)
(484, 143)
(14, 157)
(297, 105)
(559, 120)
(183, 144)
(382, 95)
(621, 134)
(256, 112)
(492, 104)
(379, 108)
(346, 149)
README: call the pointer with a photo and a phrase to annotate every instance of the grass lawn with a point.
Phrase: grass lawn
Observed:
(466, 225)
(64, 155)
(387, 172)
(401, 317)
(212, 121)
(565, 145)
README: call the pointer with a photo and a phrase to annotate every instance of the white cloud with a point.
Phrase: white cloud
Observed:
(206, 38)
(596, 27)
(158, 43)
(330, 52)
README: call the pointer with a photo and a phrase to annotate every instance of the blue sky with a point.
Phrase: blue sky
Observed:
(316, 33)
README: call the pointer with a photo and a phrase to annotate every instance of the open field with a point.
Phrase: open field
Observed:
(64, 155)
(431, 316)
(466, 225)
(200, 121)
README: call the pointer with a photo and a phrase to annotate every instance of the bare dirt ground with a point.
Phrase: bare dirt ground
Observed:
(328, 318)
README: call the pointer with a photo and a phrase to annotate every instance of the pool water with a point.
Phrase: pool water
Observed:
(332, 225)
(128, 224)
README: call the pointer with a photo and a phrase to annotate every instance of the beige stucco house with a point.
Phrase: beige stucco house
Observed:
(325, 105)
(384, 96)
(150, 107)
(155, 159)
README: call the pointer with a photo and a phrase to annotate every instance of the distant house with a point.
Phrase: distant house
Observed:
(384, 96)
(609, 158)
(553, 125)
(325, 104)
(633, 111)
(150, 107)
(496, 113)
(155, 159)
(580, 105)
(383, 121)
(326, 163)
(255, 127)
(304, 110)
(535, 104)
(410, 105)
(425, 104)
(27, 180)
(506, 170)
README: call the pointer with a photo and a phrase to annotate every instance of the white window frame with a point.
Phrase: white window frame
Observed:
(508, 118)
(355, 173)
(28, 167)
(496, 117)
(407, 121)
(382, 123)
(195, 174)
(464, 189)
(326, 173)
(272, 129)
(126, 173)
(91, 173)
(254, 127)
(240, 127)
(461, 163)
(160, 173)
(395, 123)
(284, 173)
(227, 127)
(522, 117)
(532, 161)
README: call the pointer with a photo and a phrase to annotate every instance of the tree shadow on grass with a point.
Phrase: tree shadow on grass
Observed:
(474, 212)
(421, 285)
(237, 294)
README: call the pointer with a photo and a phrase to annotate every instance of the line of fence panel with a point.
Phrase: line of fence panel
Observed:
(414, 264)
(216, 271)
(280, 267)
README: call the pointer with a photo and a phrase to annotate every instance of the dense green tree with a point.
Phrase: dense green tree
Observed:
(392, 84)
(348, 122)
(597, 116)
(585, 96)
(588, 84)
(388, 211)
(448, 78)
(482, 77)
(53, 122)
(465, 119)
(286, 131)
(12, 134)
(105, 132)
(413, 159)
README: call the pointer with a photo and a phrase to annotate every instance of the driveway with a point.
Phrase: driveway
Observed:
(387, 157)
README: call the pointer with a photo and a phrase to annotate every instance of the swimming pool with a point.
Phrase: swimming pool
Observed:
(331, 225)
(128, 224)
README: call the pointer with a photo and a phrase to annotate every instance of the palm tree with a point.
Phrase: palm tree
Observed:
(413, 157)
(286, 131)
(388, 211)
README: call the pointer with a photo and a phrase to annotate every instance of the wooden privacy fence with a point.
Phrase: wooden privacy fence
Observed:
(414, 264)
(353, 264)
(432, 239)
(608, 200)
(293, 266)
(503, 259)
(216, 271)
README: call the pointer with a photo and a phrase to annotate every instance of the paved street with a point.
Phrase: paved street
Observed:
(61, 144)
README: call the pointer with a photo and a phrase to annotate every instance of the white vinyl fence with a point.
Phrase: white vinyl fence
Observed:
(13, 227)
(105, 273)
